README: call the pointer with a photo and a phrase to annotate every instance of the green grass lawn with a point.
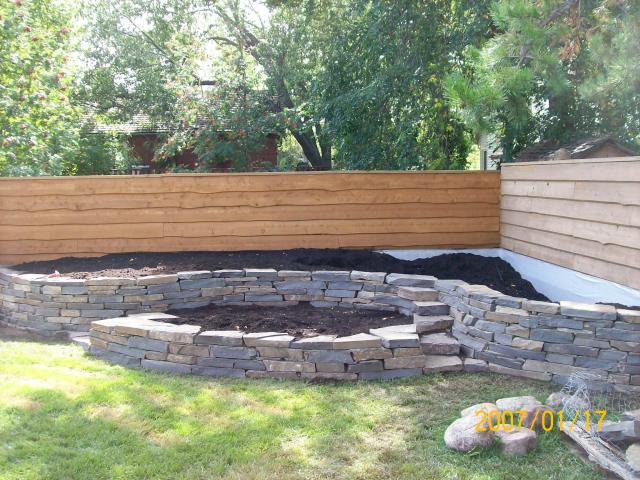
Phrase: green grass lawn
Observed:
(64, 415)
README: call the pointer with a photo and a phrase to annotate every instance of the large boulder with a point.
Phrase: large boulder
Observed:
(517, 442)
(463, 436)
(473, 409)
(633, 456)
(517, 403)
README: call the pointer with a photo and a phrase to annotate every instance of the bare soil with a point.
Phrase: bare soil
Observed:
(475, 269)
(302, 320)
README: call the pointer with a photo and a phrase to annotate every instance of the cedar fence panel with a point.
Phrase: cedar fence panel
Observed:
(580, 214)
(52, 217)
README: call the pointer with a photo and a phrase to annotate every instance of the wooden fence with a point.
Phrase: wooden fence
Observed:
(581, 214)
(44, 218)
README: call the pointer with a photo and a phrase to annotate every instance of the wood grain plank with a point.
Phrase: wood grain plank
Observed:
(254, 199)
(33, 248)
(592, 211)
(611, 253)
(604, 233)
(622, 193)
(245, 182)
(609, 170)
(616, 273)
(247, 213)
(250, 229)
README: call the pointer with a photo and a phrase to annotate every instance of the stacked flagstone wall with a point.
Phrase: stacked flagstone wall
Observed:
(515, 336)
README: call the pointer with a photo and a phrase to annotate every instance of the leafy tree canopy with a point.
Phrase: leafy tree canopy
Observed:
(557, 70)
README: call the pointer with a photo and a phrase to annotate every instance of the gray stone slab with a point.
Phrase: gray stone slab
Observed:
(390, 374)
(299, 285)
(202, 283)
(194, 275)
(331, 276)
(551, 336)
(166, 366)
(164, 288)
(396, 339)
(230, 338)
(148, 344)
(114, 357)
(249, 364)
(216, 362)
(218, 372)
(328, 356)
(154, 280)
(488, 326)
(375, 277)
(426, 324)
(439, 344)
(250, 297)
(240, 353)
(515, 352)
(320, 342)
(588, 310)
(405, 280)
(618, 334)
(431, 308)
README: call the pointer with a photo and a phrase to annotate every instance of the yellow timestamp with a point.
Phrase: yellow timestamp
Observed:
(508, 420)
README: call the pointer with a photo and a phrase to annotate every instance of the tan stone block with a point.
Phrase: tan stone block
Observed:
(360, 355)
(407, 352)
(96, 342)
(176, 358)
(405, 362)
(533, 345)
(286, 366)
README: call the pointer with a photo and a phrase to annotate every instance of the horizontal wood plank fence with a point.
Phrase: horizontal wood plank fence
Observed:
(45, 218)
(580, 214)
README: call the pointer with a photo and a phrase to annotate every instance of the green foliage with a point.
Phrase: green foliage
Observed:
(383, 87)
(38, 133)
(557, 70)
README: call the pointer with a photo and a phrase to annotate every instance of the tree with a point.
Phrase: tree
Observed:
(364, 92)
(39, 128)
(557, 70)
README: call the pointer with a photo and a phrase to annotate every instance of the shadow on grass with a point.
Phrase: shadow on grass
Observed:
(99, 421)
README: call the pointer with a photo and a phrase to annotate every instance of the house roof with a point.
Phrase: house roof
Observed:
(581, 148)
(142, 123)
(139, 124)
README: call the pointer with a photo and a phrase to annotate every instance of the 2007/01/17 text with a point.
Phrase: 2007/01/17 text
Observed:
(495, 420)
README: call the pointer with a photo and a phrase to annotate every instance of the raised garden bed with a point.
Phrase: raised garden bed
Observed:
(496, 332)
(301, 320)
(490, 271)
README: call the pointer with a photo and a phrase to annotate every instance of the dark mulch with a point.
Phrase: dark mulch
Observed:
(490, 271)
(302, 320)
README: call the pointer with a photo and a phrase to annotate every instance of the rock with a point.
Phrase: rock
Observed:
(516, 403)
(626, 430)
(517, 442)
(633, 456)
(487, 407)
(462, 435)
(556, 400)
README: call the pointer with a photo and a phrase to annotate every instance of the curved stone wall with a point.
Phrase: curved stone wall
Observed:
(515, 336)
(389, 352)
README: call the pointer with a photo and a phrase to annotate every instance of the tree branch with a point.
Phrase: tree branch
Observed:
(554, 15)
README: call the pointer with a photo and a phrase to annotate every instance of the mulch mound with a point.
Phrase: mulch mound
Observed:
(302, 320)
(491, 271)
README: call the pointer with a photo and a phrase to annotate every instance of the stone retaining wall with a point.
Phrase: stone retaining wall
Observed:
(391, 352)
(545, 340)
(515, 336)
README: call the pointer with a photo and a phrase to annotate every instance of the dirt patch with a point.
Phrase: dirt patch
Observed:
(302, 320)
(491, 271)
